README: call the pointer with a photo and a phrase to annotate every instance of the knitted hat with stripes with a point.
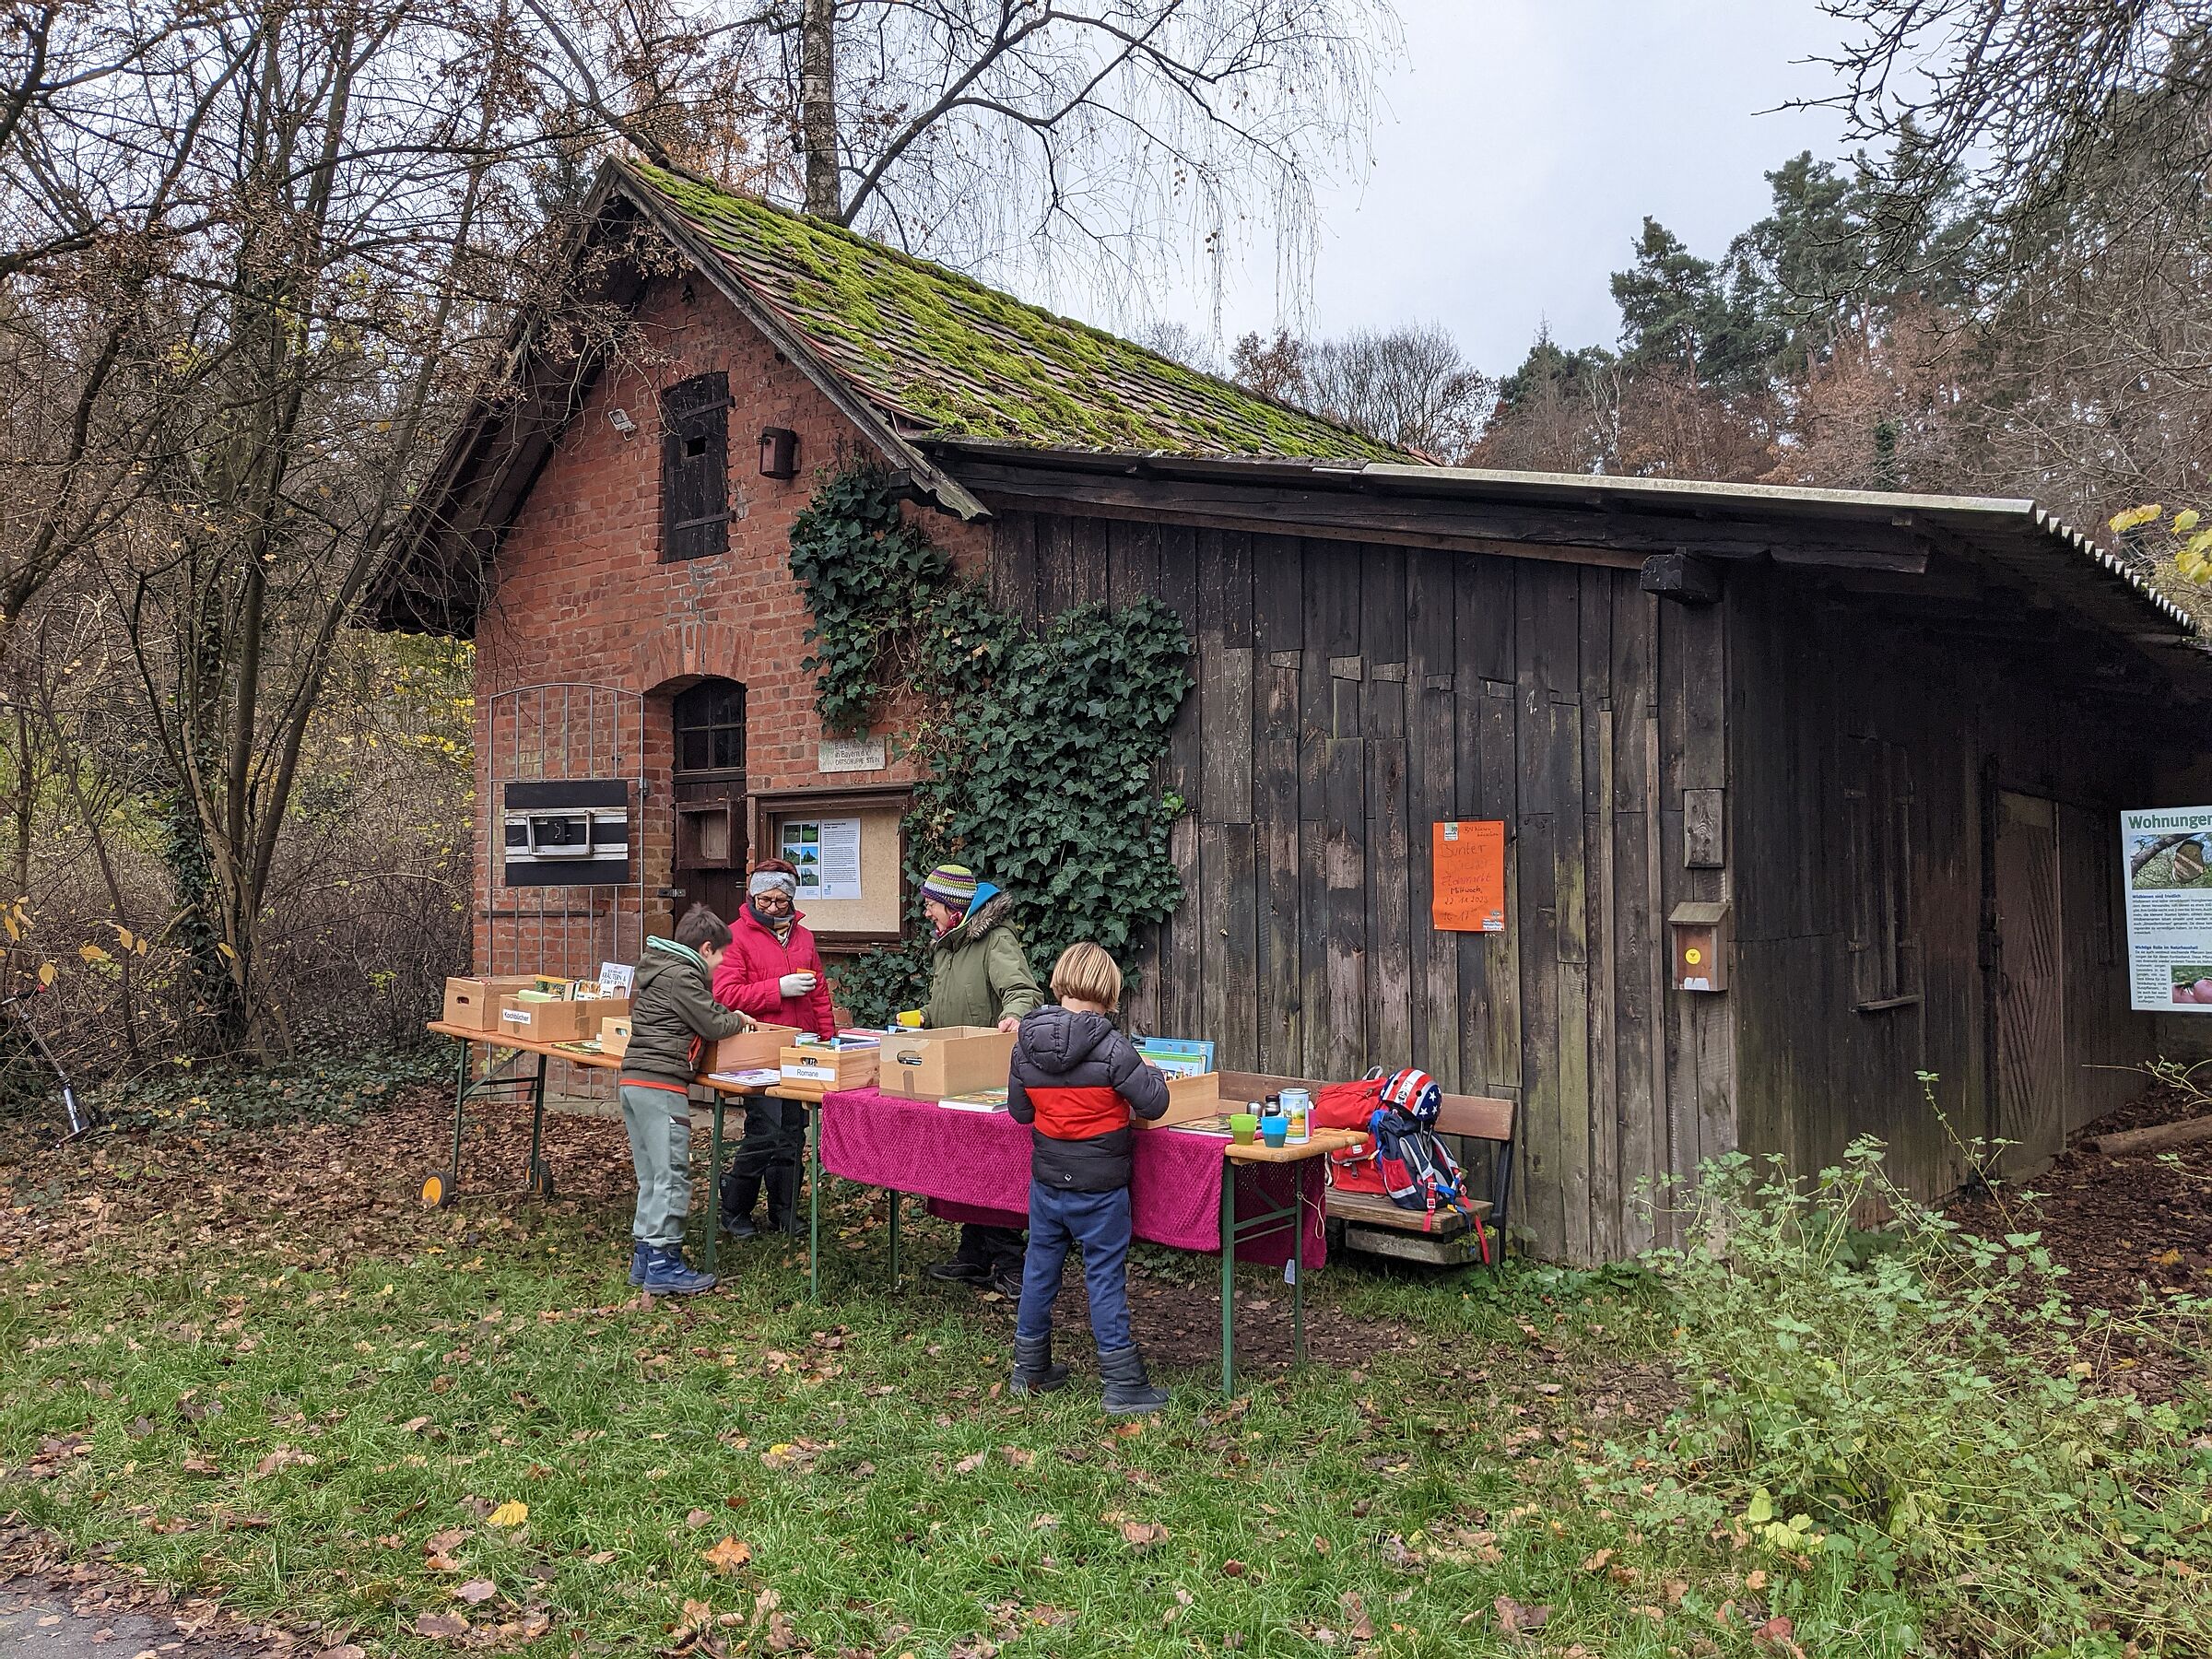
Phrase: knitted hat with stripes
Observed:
(951, 884)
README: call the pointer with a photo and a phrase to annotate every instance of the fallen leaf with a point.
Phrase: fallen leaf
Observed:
(415, 1424)
(444, 1542)
(476, 1591)
(197, 1464)
(781, 1636)
(345, 1650)
(728, 1556)
(697, 1519)
(1358, 1626)
(1515, 1619)
(1020, 1457)
(509, 1513)
(600, 1558)
(1127, 1431)
(1232, 1570)
(1756, 1579)
(969, 1466)
(284, 1457)
(1143, 1534)
(440, 1624)
(1775, 1632)
(140, 1428)
(1596, 1563)
(788, 1459)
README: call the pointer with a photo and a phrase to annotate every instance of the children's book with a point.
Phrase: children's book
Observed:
(978, 1099)
(758, 1076)
(1178, 1056)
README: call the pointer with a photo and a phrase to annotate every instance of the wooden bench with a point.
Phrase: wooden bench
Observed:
(1371, 1222)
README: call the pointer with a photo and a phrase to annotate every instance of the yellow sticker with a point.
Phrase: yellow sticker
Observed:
(1693, 956)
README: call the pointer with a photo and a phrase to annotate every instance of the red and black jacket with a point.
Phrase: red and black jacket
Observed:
(1080, 1084)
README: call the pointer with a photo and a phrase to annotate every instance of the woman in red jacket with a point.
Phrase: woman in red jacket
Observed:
(773, 971)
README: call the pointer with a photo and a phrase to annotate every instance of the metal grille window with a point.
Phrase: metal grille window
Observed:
(695, 467)
(710, 729)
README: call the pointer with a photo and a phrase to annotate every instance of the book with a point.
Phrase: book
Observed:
(1206, 1125)
(978, 1099)
(1177, 1056)
(971, 1106)
(758, 1076)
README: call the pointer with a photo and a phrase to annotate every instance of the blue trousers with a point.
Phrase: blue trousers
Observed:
(1100, 1223)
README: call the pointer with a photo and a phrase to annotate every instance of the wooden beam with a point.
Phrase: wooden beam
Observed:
(1682, 577)
(1431, 521)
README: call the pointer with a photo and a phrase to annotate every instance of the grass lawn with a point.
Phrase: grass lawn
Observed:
(240, 1360)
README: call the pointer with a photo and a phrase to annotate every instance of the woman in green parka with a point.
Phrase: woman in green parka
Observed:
(980, 976)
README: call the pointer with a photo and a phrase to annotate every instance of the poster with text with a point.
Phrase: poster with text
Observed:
(2165, 853)
(1467, 870)
(826, 853)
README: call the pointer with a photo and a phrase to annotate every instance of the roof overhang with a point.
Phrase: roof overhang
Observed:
(1975, 563)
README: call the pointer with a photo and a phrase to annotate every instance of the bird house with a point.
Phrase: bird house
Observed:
(1700, 932)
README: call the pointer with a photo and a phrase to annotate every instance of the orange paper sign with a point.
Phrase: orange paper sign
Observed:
(1468, 876)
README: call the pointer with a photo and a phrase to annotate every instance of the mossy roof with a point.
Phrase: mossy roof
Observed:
(949, 358)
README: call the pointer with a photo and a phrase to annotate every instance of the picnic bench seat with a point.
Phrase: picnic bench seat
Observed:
(1370, 1221)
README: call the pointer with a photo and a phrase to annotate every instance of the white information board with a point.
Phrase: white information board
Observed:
(2166, 862)
(826, 853)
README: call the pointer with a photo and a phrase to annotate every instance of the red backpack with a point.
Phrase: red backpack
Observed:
(1352, 1106)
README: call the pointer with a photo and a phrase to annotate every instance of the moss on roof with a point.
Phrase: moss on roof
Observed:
(956, 359)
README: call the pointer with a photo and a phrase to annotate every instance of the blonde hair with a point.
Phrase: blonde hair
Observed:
(1087, 973)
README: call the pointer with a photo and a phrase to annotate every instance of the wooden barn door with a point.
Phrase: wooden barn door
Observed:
(2028, 996)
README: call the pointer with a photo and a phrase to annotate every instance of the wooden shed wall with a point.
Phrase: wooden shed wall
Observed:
(1351, 695)
(1823, 686)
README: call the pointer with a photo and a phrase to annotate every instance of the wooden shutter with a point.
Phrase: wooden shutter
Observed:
(695, 467)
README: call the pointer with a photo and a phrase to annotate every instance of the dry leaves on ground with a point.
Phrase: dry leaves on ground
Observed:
(728, 1556)
(1143, 1534)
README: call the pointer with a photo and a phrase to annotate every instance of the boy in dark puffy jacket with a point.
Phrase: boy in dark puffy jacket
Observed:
(1077, 1081)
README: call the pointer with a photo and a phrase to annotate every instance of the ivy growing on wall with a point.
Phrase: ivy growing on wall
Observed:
(1042, 745)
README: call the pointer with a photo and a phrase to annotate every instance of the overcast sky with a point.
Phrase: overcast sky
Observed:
(1522, 145)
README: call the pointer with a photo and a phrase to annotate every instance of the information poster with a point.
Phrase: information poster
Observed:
(2166, 854)
(826, 853)
(1467, 864)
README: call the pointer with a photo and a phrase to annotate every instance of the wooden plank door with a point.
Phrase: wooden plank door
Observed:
(2028, 994)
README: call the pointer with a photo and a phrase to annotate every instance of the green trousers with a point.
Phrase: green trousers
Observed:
(660, 1145)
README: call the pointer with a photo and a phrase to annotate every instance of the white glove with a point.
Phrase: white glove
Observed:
(796, 985)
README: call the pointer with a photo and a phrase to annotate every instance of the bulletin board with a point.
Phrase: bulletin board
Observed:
(850, 848)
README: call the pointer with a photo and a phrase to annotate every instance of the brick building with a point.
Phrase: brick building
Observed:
(1875, 741)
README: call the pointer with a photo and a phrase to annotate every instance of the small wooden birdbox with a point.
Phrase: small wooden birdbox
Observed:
(1700, 931)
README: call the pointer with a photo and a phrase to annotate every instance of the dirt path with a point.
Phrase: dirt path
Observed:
(55, 1610)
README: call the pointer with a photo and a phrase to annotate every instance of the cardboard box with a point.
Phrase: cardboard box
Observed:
(558, 1021)
(832, 1068)
(949, 1060)
(474, 1002)
(1189, 1098)
(614, 1037)
(749, 1051)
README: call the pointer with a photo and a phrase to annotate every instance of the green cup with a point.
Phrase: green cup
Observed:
(1243, 1126)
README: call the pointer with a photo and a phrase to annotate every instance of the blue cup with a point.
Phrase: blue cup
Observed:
(1274, 1131)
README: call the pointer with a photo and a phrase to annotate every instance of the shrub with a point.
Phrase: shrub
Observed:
(1904, 1406)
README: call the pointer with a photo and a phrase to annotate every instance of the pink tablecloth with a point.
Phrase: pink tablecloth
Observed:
(975, 1167)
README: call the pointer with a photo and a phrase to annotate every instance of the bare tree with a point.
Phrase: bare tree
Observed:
(1411, 385)
(1038, 141)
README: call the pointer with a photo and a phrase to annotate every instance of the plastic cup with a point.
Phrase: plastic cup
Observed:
(1274, 1130)
(1243, 1126)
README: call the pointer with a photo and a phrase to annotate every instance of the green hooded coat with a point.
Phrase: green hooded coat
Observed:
(979, 974)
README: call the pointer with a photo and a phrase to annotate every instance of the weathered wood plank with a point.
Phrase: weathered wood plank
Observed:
(1431, 768)
(1058, 587)
(1275, 803)
(1212, 926)
(1635, 958)
(1390, 1012)
(1225, 674)
(1131, 562)
(1488, 786)
(1237, 1037)
(1014, 563)
(1090, 565)
(1344, 1028)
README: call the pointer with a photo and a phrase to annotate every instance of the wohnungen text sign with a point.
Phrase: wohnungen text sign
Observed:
(1467, 877)
(2164, 855)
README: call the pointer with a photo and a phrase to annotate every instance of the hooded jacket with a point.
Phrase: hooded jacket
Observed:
(1081, 1085)
(757, 959)
(673, 1017)
(978, 975)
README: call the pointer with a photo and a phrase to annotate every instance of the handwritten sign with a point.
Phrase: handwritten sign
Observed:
(1467, 877)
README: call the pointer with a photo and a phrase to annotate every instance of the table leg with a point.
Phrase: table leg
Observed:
(452, 1166)
(814, 1199)
(898, 1202)
(710, 1251)
(539, 1181)
(1229, 1280)
(1298, 1262)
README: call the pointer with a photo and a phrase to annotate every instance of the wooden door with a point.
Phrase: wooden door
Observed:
(2028, 1003)
(708, 865)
